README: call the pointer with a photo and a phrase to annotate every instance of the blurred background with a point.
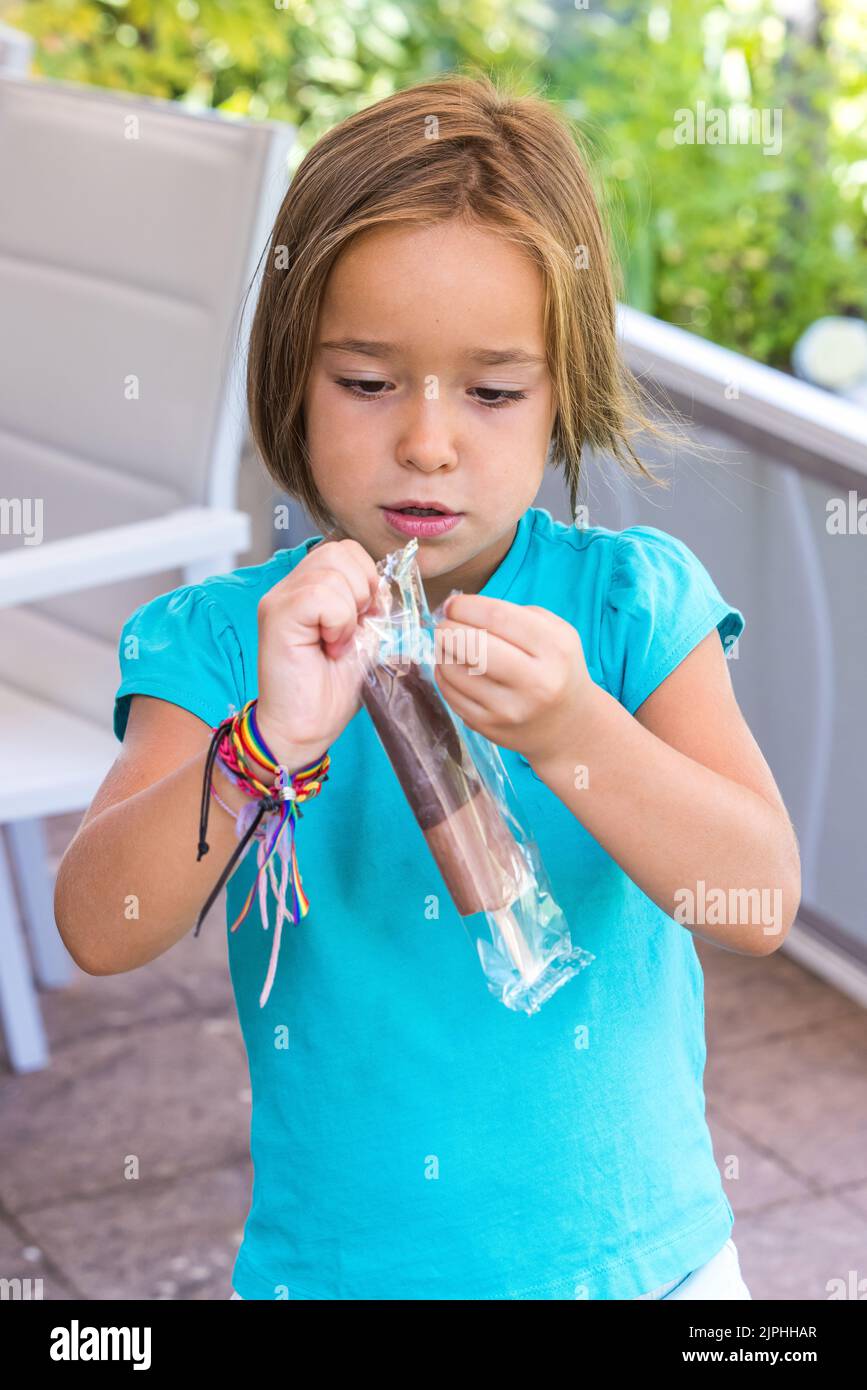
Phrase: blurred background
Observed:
(144, 149)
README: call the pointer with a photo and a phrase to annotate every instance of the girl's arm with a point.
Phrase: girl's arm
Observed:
(682, 798)
(678, 794)
(129, 885)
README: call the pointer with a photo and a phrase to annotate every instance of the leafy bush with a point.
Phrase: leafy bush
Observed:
(742, 246)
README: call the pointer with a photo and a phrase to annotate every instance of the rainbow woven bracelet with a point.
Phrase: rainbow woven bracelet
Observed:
(242, 741)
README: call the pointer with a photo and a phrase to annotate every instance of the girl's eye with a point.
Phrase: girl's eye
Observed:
(506, 397)
(355, 386)
(352, 383)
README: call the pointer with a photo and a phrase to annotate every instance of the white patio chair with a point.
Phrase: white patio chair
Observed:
(130, 230)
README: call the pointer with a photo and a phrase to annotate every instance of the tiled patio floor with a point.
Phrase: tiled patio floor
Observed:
(149, 1067)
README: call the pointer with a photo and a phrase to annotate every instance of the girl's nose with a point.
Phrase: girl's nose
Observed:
(427, 440)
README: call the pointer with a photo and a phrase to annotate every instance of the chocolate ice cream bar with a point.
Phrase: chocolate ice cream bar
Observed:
(468, 837)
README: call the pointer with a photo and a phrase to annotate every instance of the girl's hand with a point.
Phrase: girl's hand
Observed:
(526, 686)
(309, 671)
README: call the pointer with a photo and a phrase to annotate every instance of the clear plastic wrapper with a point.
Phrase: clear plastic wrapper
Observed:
(462, 797)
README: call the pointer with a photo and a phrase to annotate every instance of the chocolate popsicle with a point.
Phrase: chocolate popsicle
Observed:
(468, 837)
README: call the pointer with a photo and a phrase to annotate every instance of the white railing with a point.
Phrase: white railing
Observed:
(808, 440)
(778, 413)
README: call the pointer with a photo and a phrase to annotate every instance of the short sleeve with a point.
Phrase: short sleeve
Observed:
(180, 647)
(660, 603)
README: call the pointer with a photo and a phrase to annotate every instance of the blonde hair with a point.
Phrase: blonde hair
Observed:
(455, 146)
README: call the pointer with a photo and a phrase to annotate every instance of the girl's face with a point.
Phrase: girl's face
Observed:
(429, 383)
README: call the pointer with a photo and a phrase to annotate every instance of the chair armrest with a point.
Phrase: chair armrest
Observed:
(120, 552)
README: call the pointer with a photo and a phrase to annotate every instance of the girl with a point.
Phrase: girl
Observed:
(436, 321)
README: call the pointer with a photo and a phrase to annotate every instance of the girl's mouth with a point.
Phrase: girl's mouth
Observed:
(425, 527)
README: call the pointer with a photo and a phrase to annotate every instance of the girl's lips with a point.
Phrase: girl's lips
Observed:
(422, 526)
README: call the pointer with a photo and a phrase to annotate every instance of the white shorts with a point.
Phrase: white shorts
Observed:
(719, 1278)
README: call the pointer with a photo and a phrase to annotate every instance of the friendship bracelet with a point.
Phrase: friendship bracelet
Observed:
(241, 742)
(251, 738)
(235, 743)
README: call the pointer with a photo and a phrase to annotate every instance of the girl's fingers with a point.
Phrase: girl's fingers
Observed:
(483, 653)
(350, 559)
(524, 626)
(336, 607)
(462, 703)
(486, 698)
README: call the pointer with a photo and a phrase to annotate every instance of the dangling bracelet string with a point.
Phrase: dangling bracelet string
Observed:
(244, 741)
(289, 796)
(219, 734)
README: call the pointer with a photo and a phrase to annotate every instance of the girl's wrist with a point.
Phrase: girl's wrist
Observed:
(295, 756)
(289, 753)
(586, 732)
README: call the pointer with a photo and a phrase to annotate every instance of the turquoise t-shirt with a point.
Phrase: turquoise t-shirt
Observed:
(411, 1137)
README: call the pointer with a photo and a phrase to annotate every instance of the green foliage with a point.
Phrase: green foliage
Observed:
(743, 246)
